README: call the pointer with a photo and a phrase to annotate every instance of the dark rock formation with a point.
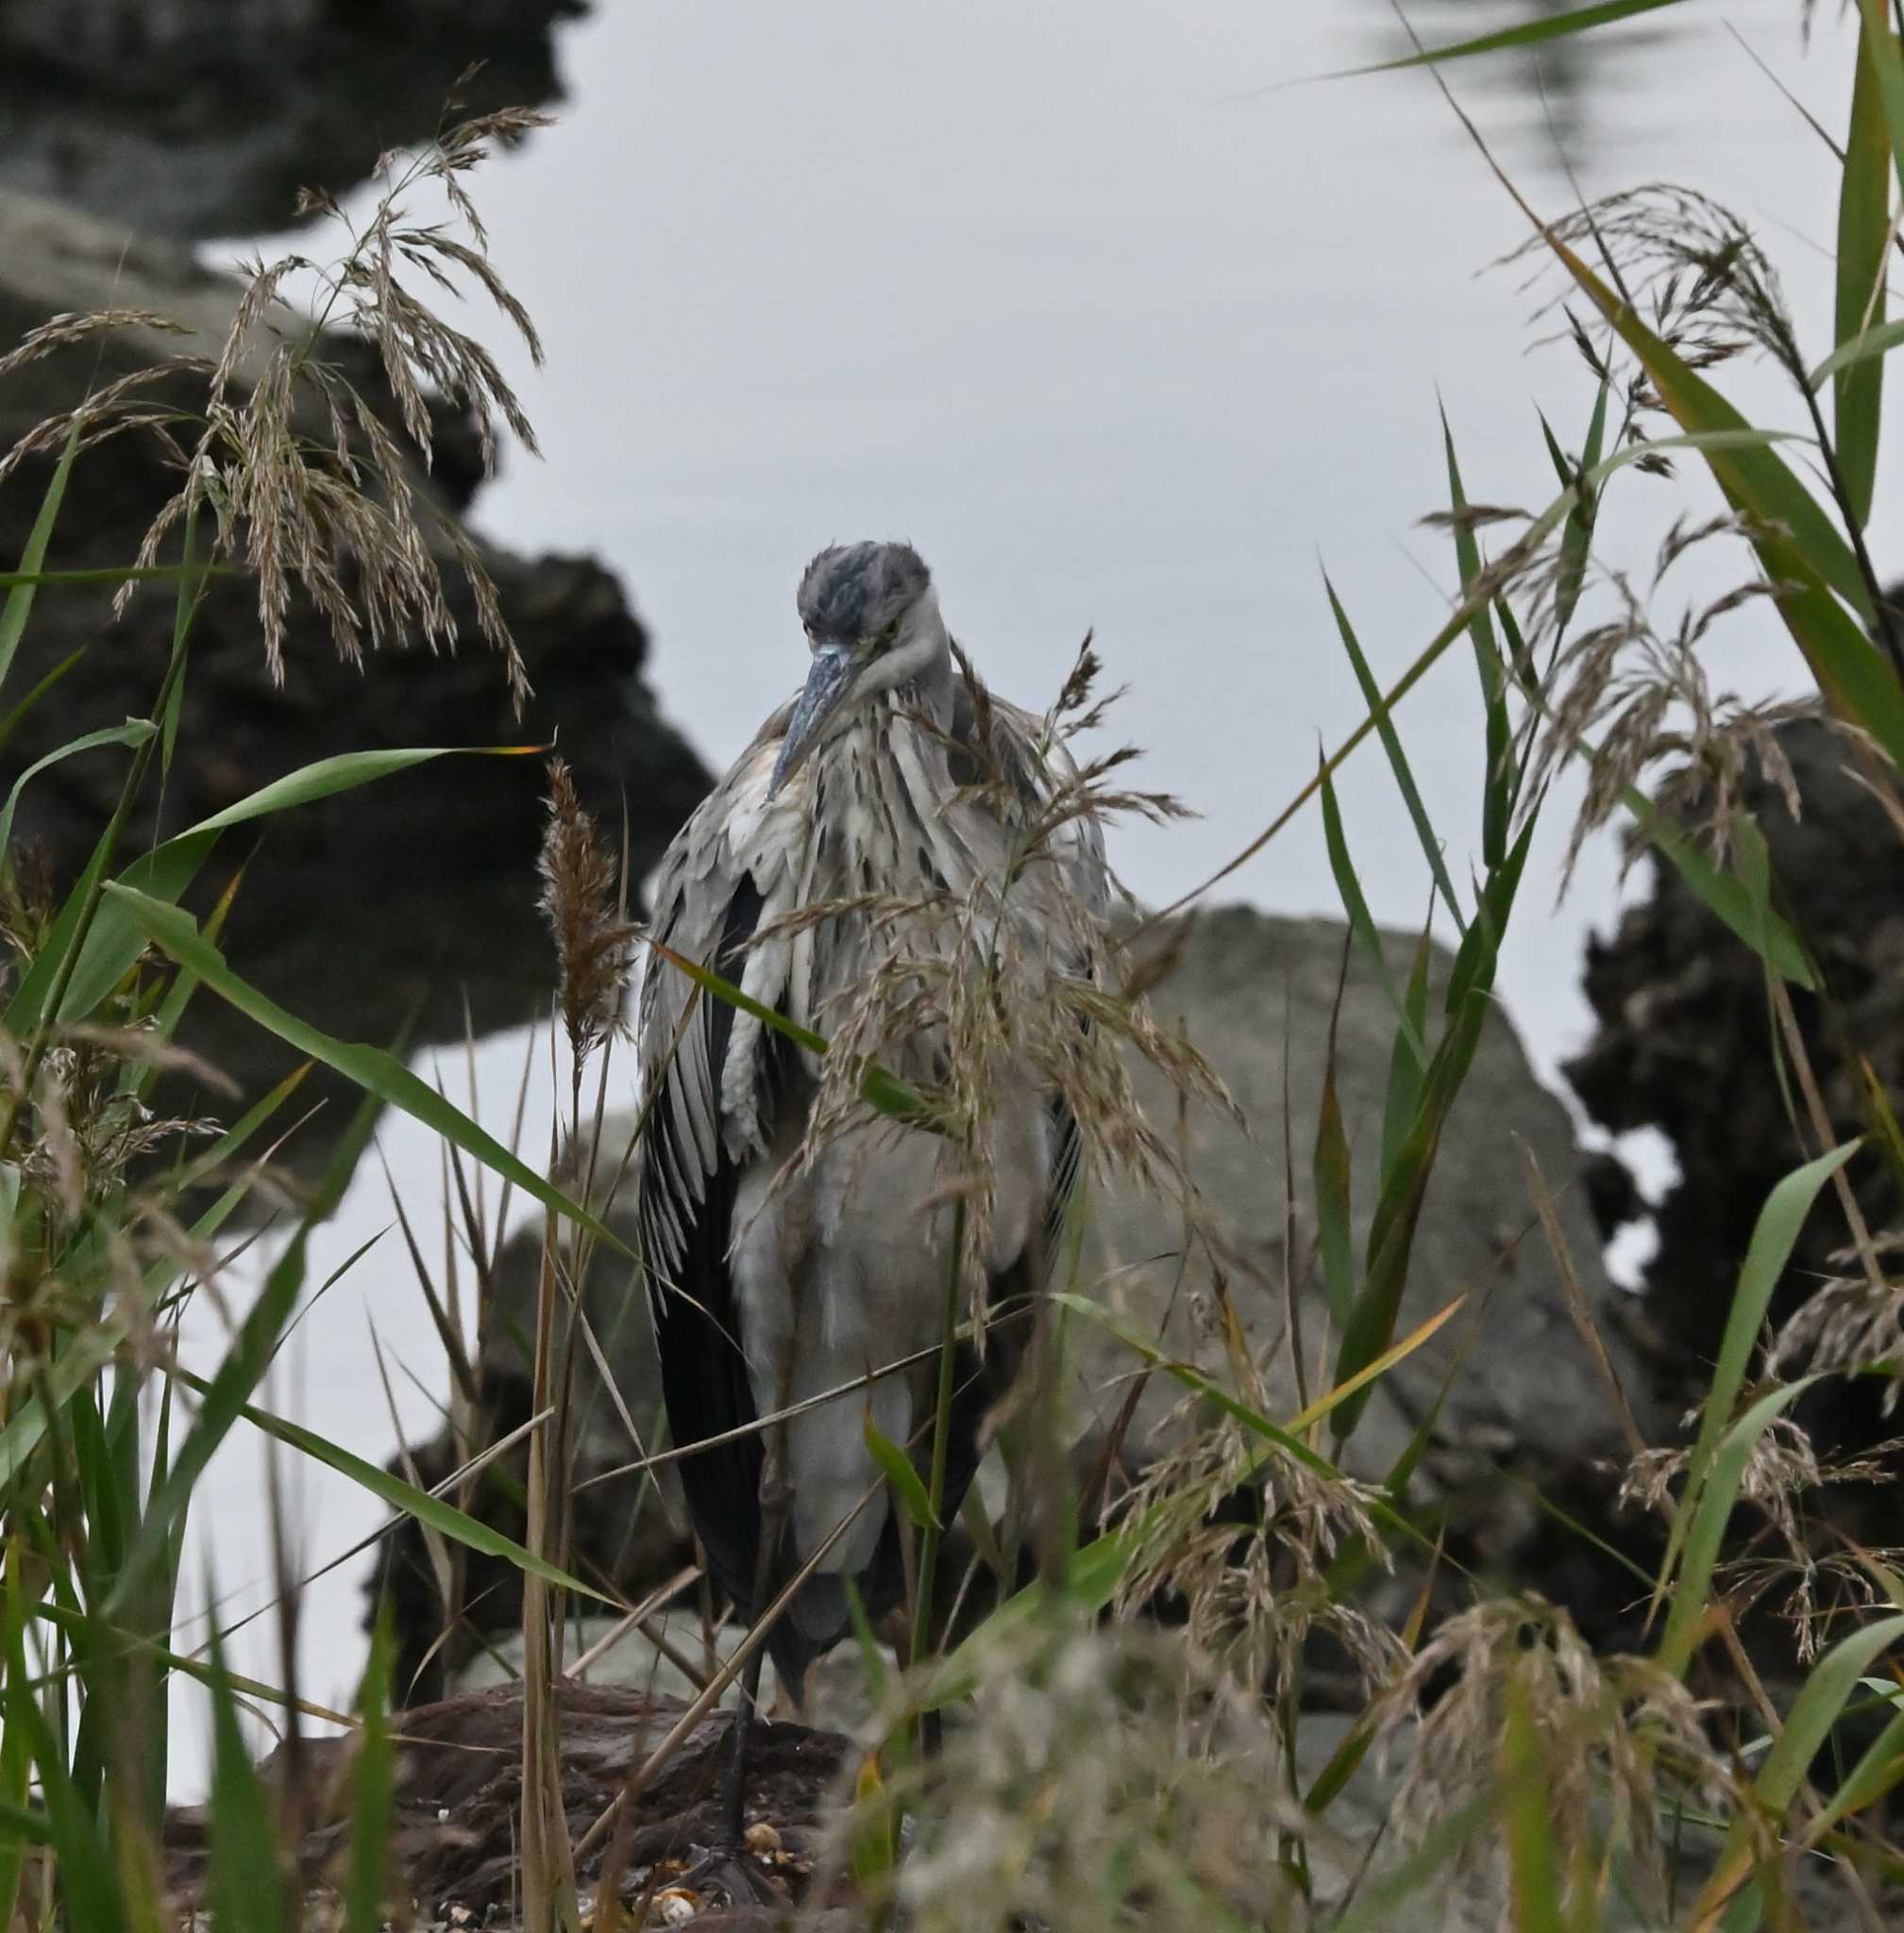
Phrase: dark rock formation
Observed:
(1684, 1043)
(380, 908)
(205, 117)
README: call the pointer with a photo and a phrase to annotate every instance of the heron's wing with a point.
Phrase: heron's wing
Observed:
(711, 1079)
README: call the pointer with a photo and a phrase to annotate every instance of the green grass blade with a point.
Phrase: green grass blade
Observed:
(432, 1512)
(1377, 1306)
(1497, 787)
(116, 941)
(1761, 926)
(1699, 1526)
(1807, 1726)
(1406, 1073)
(1398, 763)
(1878, 44)
(373, 1794)
(89, 1876)
(1860, 348)
(1531, 33)
(1361, 922)
(1798, 544)
(17, 713)
(1527, 1820)
(897, 1468)
(245, 1883)
(374, 1070)
(1576, 538)
(1332, 1183)
(134, 732)
(16, 1758)
(1864, 243)
(1774, 1236)
(19, 605)
(1745, 464)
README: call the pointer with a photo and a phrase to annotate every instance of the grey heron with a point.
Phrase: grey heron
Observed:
(770, 1280)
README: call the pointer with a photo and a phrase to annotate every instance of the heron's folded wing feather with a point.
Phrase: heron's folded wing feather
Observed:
(709, 905)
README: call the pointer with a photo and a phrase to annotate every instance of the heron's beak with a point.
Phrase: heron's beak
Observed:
(827, 684)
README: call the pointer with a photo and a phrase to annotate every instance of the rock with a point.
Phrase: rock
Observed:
(205, 117)
(1526, 1405)
(377, 909)
(1683, 1046)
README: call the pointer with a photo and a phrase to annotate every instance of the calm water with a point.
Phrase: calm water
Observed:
(1125, 334)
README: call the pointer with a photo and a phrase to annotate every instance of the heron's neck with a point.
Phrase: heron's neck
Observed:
(930, 688)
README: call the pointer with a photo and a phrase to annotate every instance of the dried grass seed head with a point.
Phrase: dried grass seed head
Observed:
(307, 485)
(1243, 1536)
(583, 901)
(1617, 1737)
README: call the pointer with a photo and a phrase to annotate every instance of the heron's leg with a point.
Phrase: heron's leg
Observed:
(776, 1500)
(734, 1809)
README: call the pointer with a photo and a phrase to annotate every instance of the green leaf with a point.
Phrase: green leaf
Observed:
(1798, 544)
(19, 604)
(1377, 1306)
(134, 732)
(900, 1473)
(245, 1884)
(88, 1873)
(1398, 763)
(372, 1068)
(1497, 780)
(1860, 348)
(1361, 922)
(1333, 1197)
(1864, 243)
(1406, 1073)
(16, 1758)
(116, 940)
(1774, 1236)
(1576, 539)
(1700, 1524)
(1531, 33)
(373, 1794)
(1807, 1726)
(1761, 926)
(432, 1512)
(17, 713)
(1527, 1820)
(1878, 45)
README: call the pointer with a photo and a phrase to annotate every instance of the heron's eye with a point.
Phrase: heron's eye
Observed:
(887, 638)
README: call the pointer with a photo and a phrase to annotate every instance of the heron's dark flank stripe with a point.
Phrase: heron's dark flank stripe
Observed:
(704, 1377)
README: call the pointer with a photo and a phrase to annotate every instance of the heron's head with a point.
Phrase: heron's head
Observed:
(872, 624)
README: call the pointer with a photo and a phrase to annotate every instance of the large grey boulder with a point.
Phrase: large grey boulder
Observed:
(378, 908)
(1528, 1403)
(205, 117)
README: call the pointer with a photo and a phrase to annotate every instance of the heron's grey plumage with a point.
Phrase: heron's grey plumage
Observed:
(767, 1288)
